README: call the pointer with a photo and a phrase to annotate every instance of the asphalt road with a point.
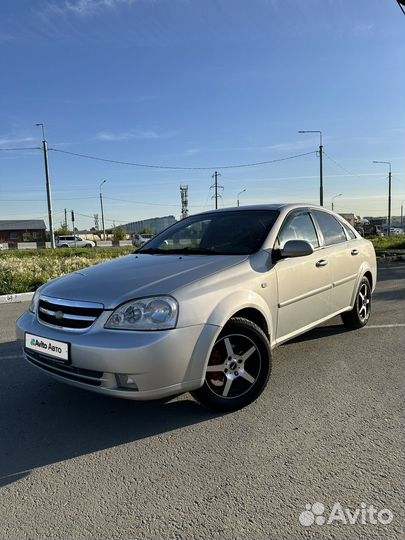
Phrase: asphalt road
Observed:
(329, 429)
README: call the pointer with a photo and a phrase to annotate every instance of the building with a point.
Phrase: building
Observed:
(349, 218)
(156, 225)
(22, 230)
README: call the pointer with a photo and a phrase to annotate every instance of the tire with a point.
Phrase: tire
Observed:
(360, 314)
(243, 356)
(88, 246)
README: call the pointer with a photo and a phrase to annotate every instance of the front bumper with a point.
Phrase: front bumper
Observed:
(161, 363)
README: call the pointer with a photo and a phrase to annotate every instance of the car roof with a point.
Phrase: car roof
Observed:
(275, 206)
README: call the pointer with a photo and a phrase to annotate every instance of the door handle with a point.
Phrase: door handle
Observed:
(355, 252)
(321, 262)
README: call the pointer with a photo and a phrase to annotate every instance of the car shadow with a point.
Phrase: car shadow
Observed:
(320, 332)
(43, 421)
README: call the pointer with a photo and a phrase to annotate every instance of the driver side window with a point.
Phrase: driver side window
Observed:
(298, 227)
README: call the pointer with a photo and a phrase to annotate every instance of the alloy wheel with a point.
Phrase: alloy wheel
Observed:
(234, 366)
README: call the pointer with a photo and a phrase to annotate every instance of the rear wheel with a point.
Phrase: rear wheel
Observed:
(88, 245)
(360, 314)
(238, 368)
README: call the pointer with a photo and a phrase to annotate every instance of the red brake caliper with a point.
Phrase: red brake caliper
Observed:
(217, 378)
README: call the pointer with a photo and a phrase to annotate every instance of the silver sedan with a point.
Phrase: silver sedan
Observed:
(201, 306)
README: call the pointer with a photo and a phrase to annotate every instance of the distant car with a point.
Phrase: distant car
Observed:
(202, 305)
(73, 241)
(138, 240)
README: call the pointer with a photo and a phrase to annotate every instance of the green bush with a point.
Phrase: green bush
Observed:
(393, 242)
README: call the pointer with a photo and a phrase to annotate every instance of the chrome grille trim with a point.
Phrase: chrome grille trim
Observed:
(68, 314)
(71, 303)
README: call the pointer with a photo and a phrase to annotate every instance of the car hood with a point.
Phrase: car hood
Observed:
(135, 276)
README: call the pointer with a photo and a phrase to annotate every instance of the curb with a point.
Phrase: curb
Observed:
(14, 298)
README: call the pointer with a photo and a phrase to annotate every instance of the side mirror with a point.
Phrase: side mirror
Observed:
(296, 248)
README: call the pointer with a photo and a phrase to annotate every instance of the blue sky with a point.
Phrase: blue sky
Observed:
(200, 83)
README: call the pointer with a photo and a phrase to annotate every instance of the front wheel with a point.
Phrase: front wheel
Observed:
(360, 314)
(238, 368)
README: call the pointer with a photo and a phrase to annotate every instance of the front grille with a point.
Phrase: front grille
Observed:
(68, 313)
(73, 373)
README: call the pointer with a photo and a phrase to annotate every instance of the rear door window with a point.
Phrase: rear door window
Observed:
(332, 230)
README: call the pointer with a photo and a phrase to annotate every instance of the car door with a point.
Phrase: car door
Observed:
(304, 283)
(337, 249)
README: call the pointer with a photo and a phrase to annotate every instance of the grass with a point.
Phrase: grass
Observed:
(394, 242)
(25, 271)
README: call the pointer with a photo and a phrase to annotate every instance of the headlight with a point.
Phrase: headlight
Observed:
(154, 313)
(34, 301)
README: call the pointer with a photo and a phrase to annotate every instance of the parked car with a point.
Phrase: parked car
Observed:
(73, 241)
(138, 240)
(201, 306)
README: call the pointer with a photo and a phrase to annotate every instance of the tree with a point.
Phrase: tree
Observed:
(62, 231)
(119, 234)
(147, 230)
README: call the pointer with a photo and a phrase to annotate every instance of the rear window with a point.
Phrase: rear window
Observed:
(332, 230)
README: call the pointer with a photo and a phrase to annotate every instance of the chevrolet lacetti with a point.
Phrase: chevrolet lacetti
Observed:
(200, 307)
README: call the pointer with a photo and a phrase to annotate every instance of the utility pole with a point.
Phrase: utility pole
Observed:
(73, 226)
(102, 208)
(320, 162)
(402, 215)
(216, 188)
(66, 223)
(389, 194)
(48, 185)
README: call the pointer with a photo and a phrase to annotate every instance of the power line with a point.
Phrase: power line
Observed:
(177, 168)
(26, 148)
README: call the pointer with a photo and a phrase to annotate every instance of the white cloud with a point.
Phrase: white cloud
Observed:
(84, 8)
(132, 135)
(7, 141)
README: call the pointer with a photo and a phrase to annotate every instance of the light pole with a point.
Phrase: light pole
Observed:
(402, 215)
(48, 185)
(320, 163)
(237, 197)
(389, 194)
(335, 197)
(102, 208)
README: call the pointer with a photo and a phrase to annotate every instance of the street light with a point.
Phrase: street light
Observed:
(389, 194)
(335, 197)
(102, 209)
(320, 163)
(237, 197)
(402, 214)
(48, 185)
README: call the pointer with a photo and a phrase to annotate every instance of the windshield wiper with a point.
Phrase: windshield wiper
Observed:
(151, 251)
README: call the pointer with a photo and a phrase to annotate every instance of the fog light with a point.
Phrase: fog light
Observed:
(126, 381)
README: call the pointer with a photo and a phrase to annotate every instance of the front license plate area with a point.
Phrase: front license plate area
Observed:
(57, 350)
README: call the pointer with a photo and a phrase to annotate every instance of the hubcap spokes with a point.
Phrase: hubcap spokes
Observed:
(234, 366)
(364, 302)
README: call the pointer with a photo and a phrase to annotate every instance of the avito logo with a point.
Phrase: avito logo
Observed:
(36, 343)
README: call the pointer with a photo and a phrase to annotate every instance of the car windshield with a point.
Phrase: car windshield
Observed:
(239, 232)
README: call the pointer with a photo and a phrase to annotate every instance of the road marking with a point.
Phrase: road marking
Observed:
(11, 357)
(399, 325)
